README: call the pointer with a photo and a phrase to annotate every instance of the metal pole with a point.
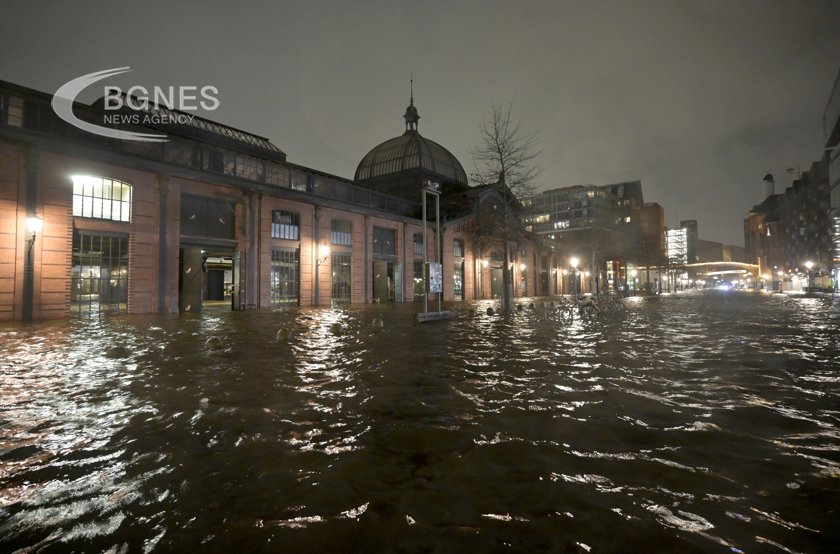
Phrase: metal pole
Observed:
(316, 236)
(425, 259)
(438, 245)
(28, 279)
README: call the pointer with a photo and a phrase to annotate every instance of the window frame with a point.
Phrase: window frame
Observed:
(94, 198)
(285, 230)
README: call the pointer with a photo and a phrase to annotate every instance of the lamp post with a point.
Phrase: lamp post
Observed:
(574, 263)
(34, 224)
(808, 265)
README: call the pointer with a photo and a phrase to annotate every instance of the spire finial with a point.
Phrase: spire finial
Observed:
(411, 116)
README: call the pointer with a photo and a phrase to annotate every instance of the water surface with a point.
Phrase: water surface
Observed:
(705, 422)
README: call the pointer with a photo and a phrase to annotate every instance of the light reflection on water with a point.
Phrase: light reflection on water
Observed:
(694, 422)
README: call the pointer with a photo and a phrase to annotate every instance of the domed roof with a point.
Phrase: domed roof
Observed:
(398, 165)
(411, 151)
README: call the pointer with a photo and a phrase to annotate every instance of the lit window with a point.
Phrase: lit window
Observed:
(100, 198)
(340, 232)
(341, 281)
(458, 248)
(284, 225)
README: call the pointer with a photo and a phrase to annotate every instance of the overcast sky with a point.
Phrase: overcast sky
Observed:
(698, 100)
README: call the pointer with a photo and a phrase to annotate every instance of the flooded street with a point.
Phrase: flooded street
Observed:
(698, 422)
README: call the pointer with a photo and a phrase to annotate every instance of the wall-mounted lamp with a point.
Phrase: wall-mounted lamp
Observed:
(522, 267)
(323, 254)
(484, 264)
(34, 224)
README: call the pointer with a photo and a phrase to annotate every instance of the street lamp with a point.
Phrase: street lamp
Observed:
(34, 224)
(323, 253)
(574, 263)
(808, 265)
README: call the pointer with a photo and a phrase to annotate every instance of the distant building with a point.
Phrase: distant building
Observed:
(653, 234)
(733, 253)
(831, 134)
(676, 246)
(805, 222)
(600, 224)
(692, 235)
(762, 234)
(793, 227)
(709, 251)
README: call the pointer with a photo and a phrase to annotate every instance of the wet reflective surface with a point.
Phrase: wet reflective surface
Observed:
(695, 422)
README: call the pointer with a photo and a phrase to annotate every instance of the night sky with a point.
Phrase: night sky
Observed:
(698, 100)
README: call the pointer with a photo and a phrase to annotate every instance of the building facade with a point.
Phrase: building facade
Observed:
(790, 229)
(600, 225)
(831, 134)
(215, 215)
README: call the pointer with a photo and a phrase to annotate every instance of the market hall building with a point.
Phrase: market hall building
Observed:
(91, 225)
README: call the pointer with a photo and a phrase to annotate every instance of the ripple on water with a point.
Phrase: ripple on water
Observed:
(694, 421)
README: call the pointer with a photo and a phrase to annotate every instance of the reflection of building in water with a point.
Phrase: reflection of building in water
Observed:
(218, 214)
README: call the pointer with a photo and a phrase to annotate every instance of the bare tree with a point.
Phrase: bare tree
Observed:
(505, 149)
(506, 157)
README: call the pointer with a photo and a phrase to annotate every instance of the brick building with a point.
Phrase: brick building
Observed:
(213, 215)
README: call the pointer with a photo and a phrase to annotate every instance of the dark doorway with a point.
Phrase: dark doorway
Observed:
(383, 282)
(496, 282)
(207, 278)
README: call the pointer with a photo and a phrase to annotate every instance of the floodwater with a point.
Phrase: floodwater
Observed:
(697, 422)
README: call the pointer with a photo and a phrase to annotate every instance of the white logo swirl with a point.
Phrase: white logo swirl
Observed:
(62, 104)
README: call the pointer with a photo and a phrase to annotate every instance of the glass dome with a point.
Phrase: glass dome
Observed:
(408, 152)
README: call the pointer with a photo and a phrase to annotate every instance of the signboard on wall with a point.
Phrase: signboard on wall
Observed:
(434, 277)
